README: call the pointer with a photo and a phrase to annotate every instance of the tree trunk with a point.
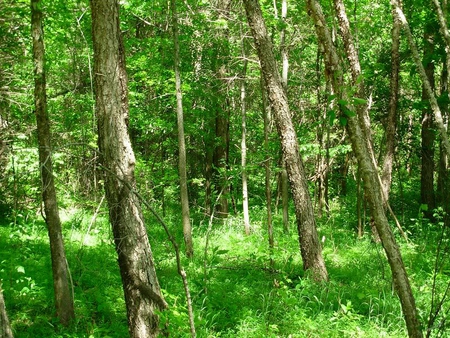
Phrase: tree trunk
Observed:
(310, 247)
(440, 126)
(391, 121)
(63, 296)
(267, 160)
(187, 228)
(442, 181)
(222, 137)
(358, 132)
(284, 79)
(5, 328)
(140, 284)
(427, 131)
(244, 147)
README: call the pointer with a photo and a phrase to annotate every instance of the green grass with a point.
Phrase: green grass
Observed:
(239, 294)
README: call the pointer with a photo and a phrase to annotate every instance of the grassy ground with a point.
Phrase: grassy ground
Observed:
(236, 292)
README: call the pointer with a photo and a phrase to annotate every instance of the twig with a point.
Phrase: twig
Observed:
(94, 217)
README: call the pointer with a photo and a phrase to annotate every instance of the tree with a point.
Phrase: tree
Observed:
(309, 243)
(427, 132)
(140, 284)
(284, 80)
(391, 121)
(63, 296)
(438, 119)
(5, 328)
(186, 221)
(222, 115)
(359, 132)
(244, 145)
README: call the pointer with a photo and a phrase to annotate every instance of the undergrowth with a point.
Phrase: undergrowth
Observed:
(237, 291)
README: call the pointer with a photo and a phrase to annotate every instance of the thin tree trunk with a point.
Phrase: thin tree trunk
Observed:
(187, 228)
(284, 79)
(244, 146)
(442, 185)
(391, 121)
(140, 284)
(222, 141)
(5, 327)
(357, 129)
(442, 129)
(310, 247)
(63, 296)
(427, 131)
(267, 160)
(442, 18)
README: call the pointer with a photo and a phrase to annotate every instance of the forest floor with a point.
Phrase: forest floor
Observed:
(236, 290)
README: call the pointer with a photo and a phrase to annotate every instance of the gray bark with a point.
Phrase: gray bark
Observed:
(140, 283)
(63, 296)
(360, 139)
(440, 125)
(5, 327)
(309, 243)
(187, 228)
(391, 121)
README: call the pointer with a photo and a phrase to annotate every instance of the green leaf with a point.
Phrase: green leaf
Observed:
(343, 121)
(20, 269)
(348, 112)
(424, 207)
(357, 100)
(331, 117)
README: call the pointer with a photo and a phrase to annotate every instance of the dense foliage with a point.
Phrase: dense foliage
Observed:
(240, 287)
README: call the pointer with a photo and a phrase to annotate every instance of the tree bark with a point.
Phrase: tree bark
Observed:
(222, 118)
(140, 283)
(63, 296)
(440, 125)
(5, 327)
(284, 79)
(267, 159)
(357, 129)
(391, 121)
(309, 243)
(244, 146)
(443, 171)
(427, 195)
(187, 228)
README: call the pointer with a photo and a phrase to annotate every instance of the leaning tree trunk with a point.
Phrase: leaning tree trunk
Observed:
(309, 243)
(357, 129)
(63, 296)
(5, 328)
(140, 284)
(438, 119)
(187, 228)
